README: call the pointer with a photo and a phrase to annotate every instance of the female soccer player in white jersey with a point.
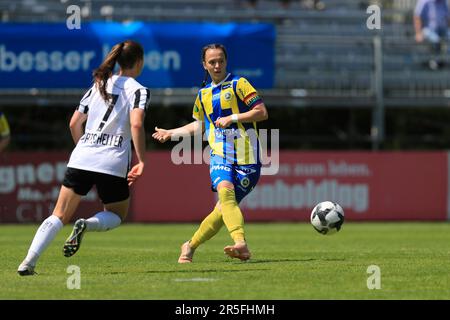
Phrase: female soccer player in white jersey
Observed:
(113, 109)
(227, 109)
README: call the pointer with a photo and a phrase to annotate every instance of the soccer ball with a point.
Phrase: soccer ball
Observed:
(327, 217)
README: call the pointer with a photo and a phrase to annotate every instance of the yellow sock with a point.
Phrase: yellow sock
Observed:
(208, 228)
(231, 214)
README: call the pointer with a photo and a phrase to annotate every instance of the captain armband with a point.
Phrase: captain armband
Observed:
(252, 100)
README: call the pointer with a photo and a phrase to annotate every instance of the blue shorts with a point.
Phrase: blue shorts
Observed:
(243, 177)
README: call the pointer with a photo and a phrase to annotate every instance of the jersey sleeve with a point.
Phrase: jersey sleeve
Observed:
(85, 101)
(247, 93)
(4, 127)
(197, 112)
(141, 99)
(419, 9)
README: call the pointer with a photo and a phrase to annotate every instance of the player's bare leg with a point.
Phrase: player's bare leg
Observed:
(238, 250)
(187, 253)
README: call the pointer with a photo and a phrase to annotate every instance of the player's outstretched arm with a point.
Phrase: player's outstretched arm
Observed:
(193, 128)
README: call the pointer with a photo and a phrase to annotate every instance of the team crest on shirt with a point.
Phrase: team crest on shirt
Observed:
(245, 182)
(227, 96)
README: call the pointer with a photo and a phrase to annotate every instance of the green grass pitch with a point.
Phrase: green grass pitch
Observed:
(290, 261)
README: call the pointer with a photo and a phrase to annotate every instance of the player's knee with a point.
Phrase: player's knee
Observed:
(227, 196)
(225, 184)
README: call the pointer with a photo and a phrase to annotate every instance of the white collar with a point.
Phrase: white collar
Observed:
(216, 85)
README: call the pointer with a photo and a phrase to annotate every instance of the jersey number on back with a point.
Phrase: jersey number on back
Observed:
(112, 98)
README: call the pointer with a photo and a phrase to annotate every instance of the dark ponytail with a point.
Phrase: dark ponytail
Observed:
(205, 79)
(104, 72)
(204, 49)
(126, 53)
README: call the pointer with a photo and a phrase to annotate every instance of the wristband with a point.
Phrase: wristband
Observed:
(234, 117)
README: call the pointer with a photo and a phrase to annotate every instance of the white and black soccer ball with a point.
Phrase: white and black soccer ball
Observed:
(327, 217)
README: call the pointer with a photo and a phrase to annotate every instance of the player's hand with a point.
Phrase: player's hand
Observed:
(162, 135)
(419, 37)
(223, 122)
(135, 173)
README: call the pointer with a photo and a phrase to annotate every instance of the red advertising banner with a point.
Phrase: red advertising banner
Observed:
(170, 192)
(368, 185)
(30, 184)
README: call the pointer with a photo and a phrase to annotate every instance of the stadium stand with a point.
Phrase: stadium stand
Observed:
(324, 58)
(319, 54)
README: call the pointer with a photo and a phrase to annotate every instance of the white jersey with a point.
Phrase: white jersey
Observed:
(106, 144)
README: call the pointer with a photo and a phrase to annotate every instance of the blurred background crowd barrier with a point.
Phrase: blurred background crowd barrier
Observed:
(367, 101)
(368, 185)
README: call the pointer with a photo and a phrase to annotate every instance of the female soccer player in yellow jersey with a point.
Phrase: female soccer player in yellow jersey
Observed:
(227, 109)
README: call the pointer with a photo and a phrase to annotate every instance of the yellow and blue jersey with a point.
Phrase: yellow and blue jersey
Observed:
(238, 143)
(4, 127)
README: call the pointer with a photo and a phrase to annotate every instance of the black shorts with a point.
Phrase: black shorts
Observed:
(110, 188)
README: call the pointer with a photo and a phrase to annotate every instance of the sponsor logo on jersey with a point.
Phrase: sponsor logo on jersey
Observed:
(220, 133)
(219, 167)
(226, 85)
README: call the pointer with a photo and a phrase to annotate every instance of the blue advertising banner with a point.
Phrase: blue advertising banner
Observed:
(49, 55)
